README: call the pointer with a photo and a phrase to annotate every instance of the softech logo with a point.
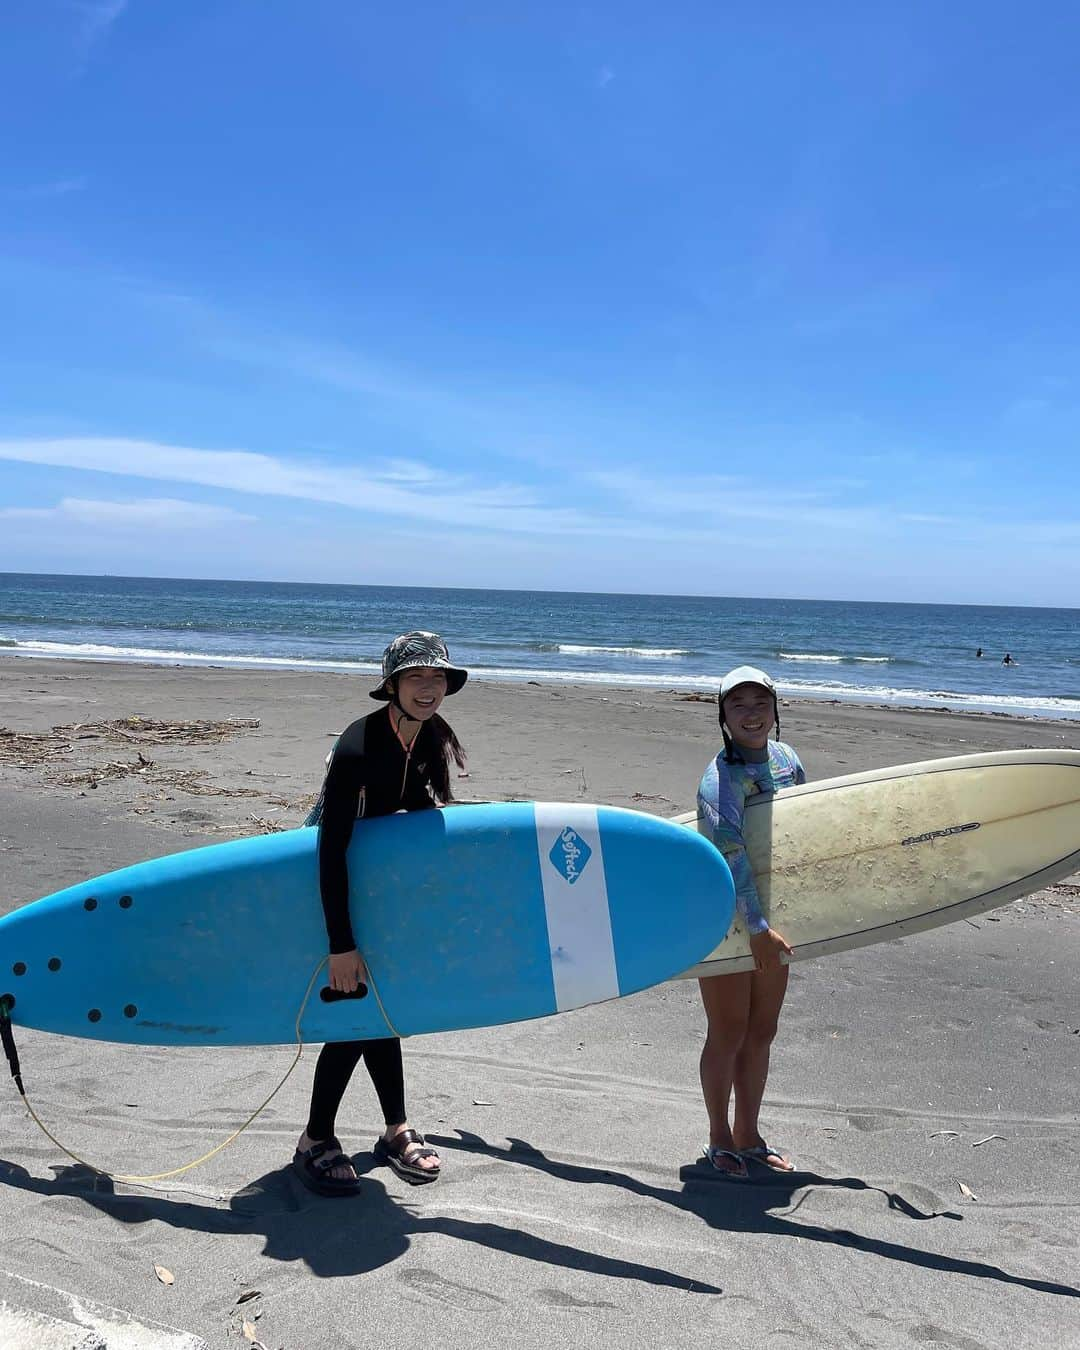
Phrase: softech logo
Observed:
(570, 854)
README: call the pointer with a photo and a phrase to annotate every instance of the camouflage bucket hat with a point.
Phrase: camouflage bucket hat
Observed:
(413, 650)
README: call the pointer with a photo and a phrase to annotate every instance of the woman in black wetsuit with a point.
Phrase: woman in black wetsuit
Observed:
(396, 759)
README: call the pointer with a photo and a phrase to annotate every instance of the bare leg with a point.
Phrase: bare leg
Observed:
(751, 1070)
(727, 1009)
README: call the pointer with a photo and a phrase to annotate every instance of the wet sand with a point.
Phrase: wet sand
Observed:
(573, 1209)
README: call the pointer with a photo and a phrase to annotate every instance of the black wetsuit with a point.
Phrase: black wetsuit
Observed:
(370, 774)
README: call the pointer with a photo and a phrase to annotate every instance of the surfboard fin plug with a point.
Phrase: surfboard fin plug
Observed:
(7, 1004)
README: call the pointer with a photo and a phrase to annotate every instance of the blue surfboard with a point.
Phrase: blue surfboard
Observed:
(468, 916)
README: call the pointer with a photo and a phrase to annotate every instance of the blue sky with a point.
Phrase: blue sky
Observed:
(725, 299)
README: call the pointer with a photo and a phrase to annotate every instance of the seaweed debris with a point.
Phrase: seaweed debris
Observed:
(29, 749)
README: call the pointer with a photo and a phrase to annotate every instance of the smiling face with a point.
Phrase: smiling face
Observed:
(420, 691)
(749, 711)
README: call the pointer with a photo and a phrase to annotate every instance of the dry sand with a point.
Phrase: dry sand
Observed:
(573, 1210)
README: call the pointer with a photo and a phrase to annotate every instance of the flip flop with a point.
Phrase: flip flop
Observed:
(761, 1153)
(392, 1154)
(314, 1166)
(713, 1152)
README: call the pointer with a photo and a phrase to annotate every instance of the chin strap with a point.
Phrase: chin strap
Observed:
(729, 744)
(391, 684)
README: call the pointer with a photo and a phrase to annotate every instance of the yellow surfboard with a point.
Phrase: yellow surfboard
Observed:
(870, 857)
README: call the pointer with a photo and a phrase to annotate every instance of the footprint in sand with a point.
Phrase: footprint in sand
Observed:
(430, 1285)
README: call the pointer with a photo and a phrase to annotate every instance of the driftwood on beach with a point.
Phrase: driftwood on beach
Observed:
(52, 752)
(24, 748)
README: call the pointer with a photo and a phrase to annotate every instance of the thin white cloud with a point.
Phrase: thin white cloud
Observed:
(629, 507)
(402, 490)
(730, 502)
(925, 518)
(60, 187)
(148, 513)
(411, 471)
(504, 421)
(336, 367)
(1028, 409)
(1051, 532)
(727, 500)
(416, 493)
(98, 16)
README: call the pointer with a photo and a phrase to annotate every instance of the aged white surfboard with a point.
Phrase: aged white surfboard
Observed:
(873, 856)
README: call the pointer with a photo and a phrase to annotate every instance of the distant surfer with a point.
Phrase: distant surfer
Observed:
(396, 759)
(1007, 660)
(978, 651)
(742, 1009)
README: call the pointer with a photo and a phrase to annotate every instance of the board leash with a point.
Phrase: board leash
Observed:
(7, 1037)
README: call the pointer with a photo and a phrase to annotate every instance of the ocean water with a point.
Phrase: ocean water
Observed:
(905, 654)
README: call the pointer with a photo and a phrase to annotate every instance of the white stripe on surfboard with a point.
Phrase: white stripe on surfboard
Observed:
(576, 901)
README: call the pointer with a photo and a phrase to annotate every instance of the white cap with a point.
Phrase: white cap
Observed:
(745, 675)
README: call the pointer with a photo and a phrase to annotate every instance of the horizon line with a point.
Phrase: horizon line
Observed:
(541, 590)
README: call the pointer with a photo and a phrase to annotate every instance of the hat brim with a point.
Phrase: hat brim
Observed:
(757, 684)
(455, 677)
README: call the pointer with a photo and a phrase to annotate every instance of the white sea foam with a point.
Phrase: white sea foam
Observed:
(97, 651)
(698, 681)
(831, 658)
(648, 653)
(847, 693)
(936, 698)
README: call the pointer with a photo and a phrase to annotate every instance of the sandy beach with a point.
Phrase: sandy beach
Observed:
(928, 1089)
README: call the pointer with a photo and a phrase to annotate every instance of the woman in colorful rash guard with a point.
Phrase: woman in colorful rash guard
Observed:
(396, 759)
(742, 1009)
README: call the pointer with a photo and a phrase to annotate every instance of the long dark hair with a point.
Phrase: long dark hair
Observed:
(449, 751)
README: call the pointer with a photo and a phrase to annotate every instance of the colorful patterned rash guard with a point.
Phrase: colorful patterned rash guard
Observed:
(722, 800)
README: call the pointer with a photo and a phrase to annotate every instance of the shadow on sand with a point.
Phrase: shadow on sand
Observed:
(746, 1207)
(299, 1226)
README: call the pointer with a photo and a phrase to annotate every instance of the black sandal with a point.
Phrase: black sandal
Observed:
(393, 1154)
(313, 1166)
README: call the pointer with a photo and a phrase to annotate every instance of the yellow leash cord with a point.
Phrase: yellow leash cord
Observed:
(378, 999)
(187, 1167)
